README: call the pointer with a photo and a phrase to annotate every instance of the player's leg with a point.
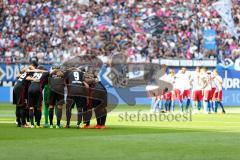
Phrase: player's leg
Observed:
(220, 101)
(60, 103)
(173, 97)
(52, 102)
(156, 105)
(23, 116)
(39, 109)
(86, 114)
(187, 95)
(31, 99)
(69, 105)
(46, 95)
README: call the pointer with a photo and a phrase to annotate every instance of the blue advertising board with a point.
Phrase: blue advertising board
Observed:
(210, 39)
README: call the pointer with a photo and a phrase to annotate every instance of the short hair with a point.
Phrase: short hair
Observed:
(34, 64)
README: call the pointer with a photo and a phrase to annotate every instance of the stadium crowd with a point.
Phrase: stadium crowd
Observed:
(56, 30)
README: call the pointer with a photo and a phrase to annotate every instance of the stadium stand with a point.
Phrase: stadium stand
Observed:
(56, 30)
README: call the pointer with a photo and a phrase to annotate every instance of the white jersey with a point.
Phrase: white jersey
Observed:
(213, 83)
(218, 82)
(197, 81)
(184, 81)
(207, 78)
(179, 82)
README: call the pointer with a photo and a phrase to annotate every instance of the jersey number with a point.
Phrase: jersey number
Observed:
(76, 76)
(37, 75)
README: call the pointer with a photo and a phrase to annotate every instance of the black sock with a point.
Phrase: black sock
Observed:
(18, 115)
(59, 116)
(80, 116)
(23, 117)
(35, 115)
(98, 120)
(68, 115)
(103, 120)
(27, 114)
(38, 117)
(31, 115)
(51, 115)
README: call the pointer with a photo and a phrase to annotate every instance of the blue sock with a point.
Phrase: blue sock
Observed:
(194, 103)
(161, 105)
(209, 106)
(199, 104)
(181, 106)
(216, 107)
(155, 105)
(188, 103)
(221, 105)
(172, 105)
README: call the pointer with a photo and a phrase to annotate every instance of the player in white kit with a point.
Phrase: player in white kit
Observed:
(197, 95)
(217, 96)
(207, 90)
(183, 84)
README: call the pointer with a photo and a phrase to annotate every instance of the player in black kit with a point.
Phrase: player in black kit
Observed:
(20, 95)
(56, 94)
(38, 79)
(76, 94)
(97, 99)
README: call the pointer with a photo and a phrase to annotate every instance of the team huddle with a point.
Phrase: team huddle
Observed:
(83, 90)
(203, 87)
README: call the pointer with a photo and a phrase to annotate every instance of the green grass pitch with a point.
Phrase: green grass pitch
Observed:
(206, 137)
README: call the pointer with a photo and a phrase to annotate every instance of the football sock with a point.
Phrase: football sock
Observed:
(31, 115)
(46, 113)
(221, 105)
(161, 105)
(188, 103)
(208, 106)
(216, 107)
(50, 116)
(103, 120)
(79, 115)
(23, 117)
(59, 116)
(68, 115)
(172, 105)
(194, 103)
(181, 106)
(99, 121)
(38, 117)
(27, 114)
(18, 115)
(199, 104)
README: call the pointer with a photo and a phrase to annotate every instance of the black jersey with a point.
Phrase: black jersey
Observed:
(42, 81)
(56, 83)
(74, 81)
(22, 79)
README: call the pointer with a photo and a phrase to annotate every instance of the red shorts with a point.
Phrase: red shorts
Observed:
(197, 95)
(207, 95)
(177, 94)
(217, 96)
(186, 94)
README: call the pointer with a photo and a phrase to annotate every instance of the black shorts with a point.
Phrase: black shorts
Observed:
(80, 102)
(98, 96)
(55, 98)
(19, 95)
(34, 98)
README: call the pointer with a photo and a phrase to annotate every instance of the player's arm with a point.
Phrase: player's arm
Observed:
(29, 78)
(37, 71)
